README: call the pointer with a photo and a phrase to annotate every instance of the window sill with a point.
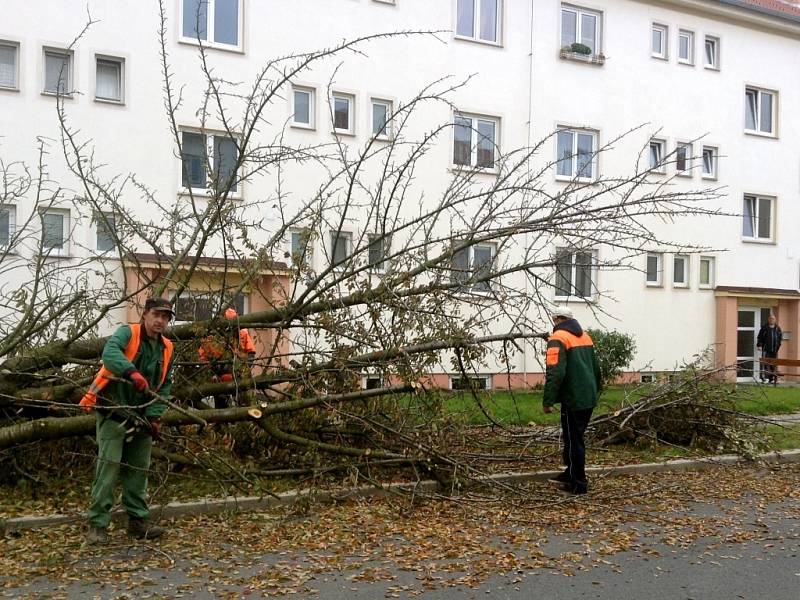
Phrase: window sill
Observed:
(708, 177)
(591, 59)
(568, 179)
(205, 194)
(8, 89)
(465, 169)
(685, 63)
(338, 132)
(705, 287)
(651, 284)
(657, 172)
(57, 95)
(680, 286)
(761, 134)
(710, 68)
(661, 58)
(109, 101)
(750, 240)
(478, 41)
(684, 174)
(575, 299)
(303, 126)
(212, 45)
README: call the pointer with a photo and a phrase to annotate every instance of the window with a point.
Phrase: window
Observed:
(706, 272)
(660, 41)
(474, 262)
(710, 154)
(372, 382)
(580, 26)
(200, 150)
(575, 273)
(341, 246)
(106, 224)
(381, 119)
(202, 306)
(303, 107)
(760, 113)
(686, 47)
(377, 251)
(343, 108)
(655, 268)
(215, 21)
(576, 154)
(8, 215)
(647, 377)
(680, 270)
(657, 155)
(683, 159)
(475, 141)
(9, 65)
(108, 79)
(57, 72)
(478, 382)
(300, 247)
(712, 52)
(55, 232)
(479, 20)
(757, 218)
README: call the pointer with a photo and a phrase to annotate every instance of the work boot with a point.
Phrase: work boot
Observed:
(562, 477)
(97, 536)
(143, 529)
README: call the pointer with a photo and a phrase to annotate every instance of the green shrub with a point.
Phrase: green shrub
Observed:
(579, 48)
(614, 351)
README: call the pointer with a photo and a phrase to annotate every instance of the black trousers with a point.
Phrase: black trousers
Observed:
(768, 371)
(573, 427)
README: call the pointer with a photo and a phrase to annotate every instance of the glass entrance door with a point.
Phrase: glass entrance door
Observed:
(747, 355)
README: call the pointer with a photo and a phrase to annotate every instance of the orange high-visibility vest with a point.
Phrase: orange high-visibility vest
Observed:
(101, 379)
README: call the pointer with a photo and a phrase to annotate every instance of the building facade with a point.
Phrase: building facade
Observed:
(707, 86)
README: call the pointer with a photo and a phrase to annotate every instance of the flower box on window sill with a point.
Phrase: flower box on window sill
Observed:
(592, 59)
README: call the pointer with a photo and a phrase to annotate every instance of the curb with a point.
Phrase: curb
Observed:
(255, 503)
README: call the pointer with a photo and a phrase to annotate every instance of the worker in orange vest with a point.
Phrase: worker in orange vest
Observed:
(226, 353)
(136, 372)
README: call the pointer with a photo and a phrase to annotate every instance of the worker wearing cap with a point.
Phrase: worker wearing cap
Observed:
(137, 370)
(226, 351)
(572, 379)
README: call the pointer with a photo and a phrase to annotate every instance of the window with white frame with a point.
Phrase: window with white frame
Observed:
(657, 153)
(576, 153)
(343, 113)
(106, 230)
(686, 47)
(475, 141)
(341, 246)
(680, 270)
(194, 305)
(9, 65)
(55, 232)
(109, 79)
(479, 20)
(218, 22)
(301, 246)
(474, 262)
(757, 218)
(759, 111)
(581, 27)
(377, 251)
(198, 151)
(381, 118)
(659, 44)
(470, 382)
(683, 159)
(654, 269)
(57, 72)
(372, 382)
(710, 154)
(711, 52)
(576, 273)
(706, 272)
(8, 218)
(303, 107)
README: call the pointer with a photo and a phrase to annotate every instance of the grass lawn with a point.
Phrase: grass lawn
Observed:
(521, 408)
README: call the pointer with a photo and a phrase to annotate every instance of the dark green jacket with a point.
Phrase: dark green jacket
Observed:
(148, 361)
(572, 377)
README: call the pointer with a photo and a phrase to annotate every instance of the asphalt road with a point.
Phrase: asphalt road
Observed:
(766, 566)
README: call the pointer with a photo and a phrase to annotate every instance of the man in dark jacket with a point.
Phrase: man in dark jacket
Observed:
(572, 379)
(769, 342)
(137, 370)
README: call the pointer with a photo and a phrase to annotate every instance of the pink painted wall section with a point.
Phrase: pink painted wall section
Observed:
(789, 320)
(727, 319)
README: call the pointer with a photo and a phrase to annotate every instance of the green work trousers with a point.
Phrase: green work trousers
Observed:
(126, 460)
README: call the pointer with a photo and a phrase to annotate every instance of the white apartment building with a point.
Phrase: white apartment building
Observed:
(714, 81)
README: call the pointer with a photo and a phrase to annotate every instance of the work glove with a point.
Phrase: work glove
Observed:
(155, 430)
(139, 382)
